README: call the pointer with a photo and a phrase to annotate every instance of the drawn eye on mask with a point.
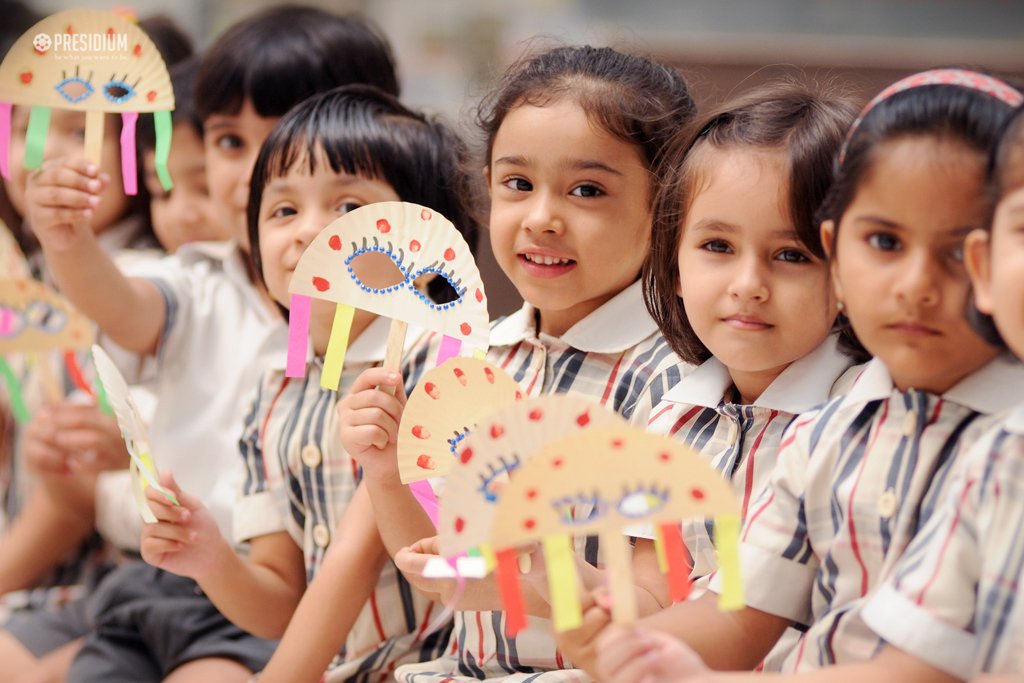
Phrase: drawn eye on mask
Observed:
(74, 88)
(118, 91)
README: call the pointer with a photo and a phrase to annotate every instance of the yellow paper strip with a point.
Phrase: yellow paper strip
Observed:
(565, 598)
(727, 545)
(51, 385)
(659, 550)
(618, 564)
(94, 136)
(336, 347)
(490, 560)
(480, 354)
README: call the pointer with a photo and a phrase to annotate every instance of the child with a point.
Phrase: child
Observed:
(573, 136)
(184, 213)
(212, 328)
(334, 152)
(856, 478)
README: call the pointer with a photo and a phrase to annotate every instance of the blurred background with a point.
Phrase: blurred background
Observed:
(449, 51)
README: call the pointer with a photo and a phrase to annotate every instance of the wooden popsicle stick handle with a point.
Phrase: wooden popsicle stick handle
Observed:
(395, 347)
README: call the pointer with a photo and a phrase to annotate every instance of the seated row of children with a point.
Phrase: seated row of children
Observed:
(824, 305)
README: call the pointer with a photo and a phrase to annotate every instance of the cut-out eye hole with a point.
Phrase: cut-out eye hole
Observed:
(565, 507)
(496, 479)
(74, 89)
(45, 317)
(642, 501)
(118, 91)
(12, 322)
(443, 288)
(377, 269)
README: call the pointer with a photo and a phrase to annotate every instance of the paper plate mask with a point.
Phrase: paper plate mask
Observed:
(498, 446)
(12, 262)
(34, 320)
(445, 405)
(626, 477)
(90, 61)
(369, 259)
(143, 467)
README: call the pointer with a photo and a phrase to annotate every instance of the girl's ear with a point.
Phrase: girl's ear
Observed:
(486, 172)
(978, 260)
(828, 232)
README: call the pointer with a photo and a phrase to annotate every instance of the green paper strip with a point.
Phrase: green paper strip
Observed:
(101, 397)
(21, 413)
(162, 120)
(35, 136)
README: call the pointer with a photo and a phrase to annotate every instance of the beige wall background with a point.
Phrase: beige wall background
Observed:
(450, 50)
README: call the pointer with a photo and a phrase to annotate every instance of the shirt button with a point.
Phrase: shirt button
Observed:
(321, 536)
(887, 504)
(910, 424)
(311, 455)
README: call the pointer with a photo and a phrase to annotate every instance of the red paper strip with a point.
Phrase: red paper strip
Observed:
(511, 594)
(679, 564)
(75, 371)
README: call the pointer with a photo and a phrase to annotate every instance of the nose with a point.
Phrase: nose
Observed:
(918, 284)
(543, 214)
(750, 280)
(310, 225)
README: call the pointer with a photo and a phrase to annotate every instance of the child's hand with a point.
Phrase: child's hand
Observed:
(630, 655)
(61, 199)
(580, 644)
(185, 540)
(43, 454)
(74, 438)
(368, 419)
(412, 560)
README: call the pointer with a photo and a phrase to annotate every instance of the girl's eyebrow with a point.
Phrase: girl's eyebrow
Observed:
(215, 122)
(877, 220)
(574, 164)
(716, 225)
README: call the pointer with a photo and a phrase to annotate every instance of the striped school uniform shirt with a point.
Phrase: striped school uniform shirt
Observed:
(854, 481)
(615, 356)
(299, 479)
(742, 441)
(954, 600)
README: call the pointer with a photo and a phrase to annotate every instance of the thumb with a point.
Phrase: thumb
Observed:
(187, 501)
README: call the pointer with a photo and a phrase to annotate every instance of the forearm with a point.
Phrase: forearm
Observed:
(726, 641)
(401, 521)
(128, 310)
(252, 596)
(891, 664)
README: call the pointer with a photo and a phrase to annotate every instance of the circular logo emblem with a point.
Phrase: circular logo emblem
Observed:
(41, 42)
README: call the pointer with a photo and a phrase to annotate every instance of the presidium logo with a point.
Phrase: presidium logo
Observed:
(75, 45)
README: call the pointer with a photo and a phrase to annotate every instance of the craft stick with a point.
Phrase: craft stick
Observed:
(450, 347)
(618, 562)
(147, 470)
(94, 136)
(129, 172)
(564, 590)
(393, 352)
(677, 558)
(298, 335)
(5, 139)
(14, 392)
(511, 594)
(334, 360)
(51, 385)
(164, 129)
(727, 543)
(35, 136)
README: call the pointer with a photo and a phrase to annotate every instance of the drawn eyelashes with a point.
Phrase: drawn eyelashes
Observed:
(38, 314)
(634, 503)
(408, 272)
(74, 89)
(498, 473)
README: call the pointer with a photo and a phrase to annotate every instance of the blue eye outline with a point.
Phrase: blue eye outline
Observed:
(453, 442)
(506, 467)
(398, 258)
(89, 88)
(18, 322)
(563, 508)
(660, 495)
(122, 84)
(436, 269)
(45, 318)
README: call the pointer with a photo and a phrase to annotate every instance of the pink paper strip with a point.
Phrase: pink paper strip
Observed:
(450, 347)
(425, 496)
(298, 335)
(5, 139)
(129, 173)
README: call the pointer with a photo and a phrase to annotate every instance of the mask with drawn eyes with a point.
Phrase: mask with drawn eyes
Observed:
(373, 257)
(91, 61)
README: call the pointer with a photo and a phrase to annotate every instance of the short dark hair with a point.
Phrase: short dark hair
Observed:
(282, 55)
(806, 125)
(637, 100)
(183, 77)
(362, 131)
(945, 112)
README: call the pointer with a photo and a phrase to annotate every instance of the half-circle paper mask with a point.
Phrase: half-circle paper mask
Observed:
(34, 318)
(625, 476)
(94, 62)
(371, 259)
(12, 261)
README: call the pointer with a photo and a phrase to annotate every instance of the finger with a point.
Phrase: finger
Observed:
(374, 417)
(640, 668)
(43, 457)
(409, 561)
(164, 510)
(78, 165)
(187, 500)
(59, 197)
(615, 646)
(77, 415)
(51, 216)
(80, 440)
(72, 175)
(369, 436)
(373, 378)
(375, 400)
(154, 550)
(170, 532)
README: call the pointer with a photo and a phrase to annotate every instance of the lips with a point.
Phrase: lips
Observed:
(747, 323)
(545, 264)
(913, 328)
(544, 260)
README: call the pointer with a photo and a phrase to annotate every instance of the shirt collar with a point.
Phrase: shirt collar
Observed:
(990, 389)
(807, 382)
(1015, 420)
(619, 324)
